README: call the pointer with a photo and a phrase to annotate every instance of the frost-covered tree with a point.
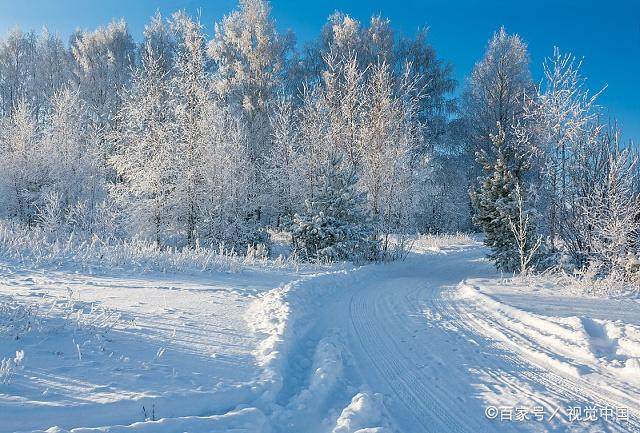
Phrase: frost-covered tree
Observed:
(495, 92)
(52, 71)
(250, 57)
(76, 177)
(564, 110)
(499, 205)
(586, 168)
(443, 196)
(335, 224)
(146, 158)
(582, 167)
(33, 67)
(159, 44)
(614, 215)
(343, 97)
(191, 95)
(146, 161)
(315, 144)
(372, 123)
(22, 172)
(433, 86)
(496, 132)
(601, 217)
(344, 63)
(17, 70)
(227, 209)
(285, 163)
(390, 135)
(343, 37)
(103, 63)
(527, 243)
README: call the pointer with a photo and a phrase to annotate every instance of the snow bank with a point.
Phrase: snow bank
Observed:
(326, 371)
(573, 345)
(312, 402)
(363, 415)
(438, 243)
(280, 317)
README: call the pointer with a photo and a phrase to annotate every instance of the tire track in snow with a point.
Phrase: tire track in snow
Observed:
(395, 369)
(560, 389)
(433, 376)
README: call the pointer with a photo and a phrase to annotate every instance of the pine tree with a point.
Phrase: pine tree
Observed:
(500, 208)
(335, 224)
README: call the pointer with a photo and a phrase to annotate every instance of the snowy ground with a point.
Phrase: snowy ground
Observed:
(438, 342)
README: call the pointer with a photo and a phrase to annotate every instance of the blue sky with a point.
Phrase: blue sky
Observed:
(606, 34)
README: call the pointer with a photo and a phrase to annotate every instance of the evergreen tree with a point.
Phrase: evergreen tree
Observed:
(499, 206)
(335, 224)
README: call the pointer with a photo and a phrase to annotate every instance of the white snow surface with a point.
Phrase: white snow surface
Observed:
(420, 345)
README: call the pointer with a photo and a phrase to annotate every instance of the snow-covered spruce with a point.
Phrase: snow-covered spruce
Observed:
(335, 224)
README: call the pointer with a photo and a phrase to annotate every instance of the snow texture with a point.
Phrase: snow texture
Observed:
(425, 343)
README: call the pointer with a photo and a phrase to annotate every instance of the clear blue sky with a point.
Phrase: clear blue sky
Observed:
(606, 34)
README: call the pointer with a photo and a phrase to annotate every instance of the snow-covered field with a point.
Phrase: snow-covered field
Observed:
(438, 342)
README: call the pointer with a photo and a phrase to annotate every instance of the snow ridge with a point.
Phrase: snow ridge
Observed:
(279, 316)
(283, 316)
(587, 349)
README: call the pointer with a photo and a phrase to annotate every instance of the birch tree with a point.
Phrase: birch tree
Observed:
(146, 161)
(250, 56)
(565, 109)
(191, 94)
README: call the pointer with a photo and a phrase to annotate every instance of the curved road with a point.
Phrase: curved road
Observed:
(436, 368)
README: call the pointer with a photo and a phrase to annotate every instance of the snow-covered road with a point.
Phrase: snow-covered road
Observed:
(420, 364)
(414, 334)
(421, 345)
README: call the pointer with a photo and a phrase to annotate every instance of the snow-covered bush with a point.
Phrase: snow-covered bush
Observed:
(589, 280)
(8, 366)
(36, 247)
(335, 224)
(17, 319)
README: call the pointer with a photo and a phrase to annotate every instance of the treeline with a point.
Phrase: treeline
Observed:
(557, 186)
(356, 136)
